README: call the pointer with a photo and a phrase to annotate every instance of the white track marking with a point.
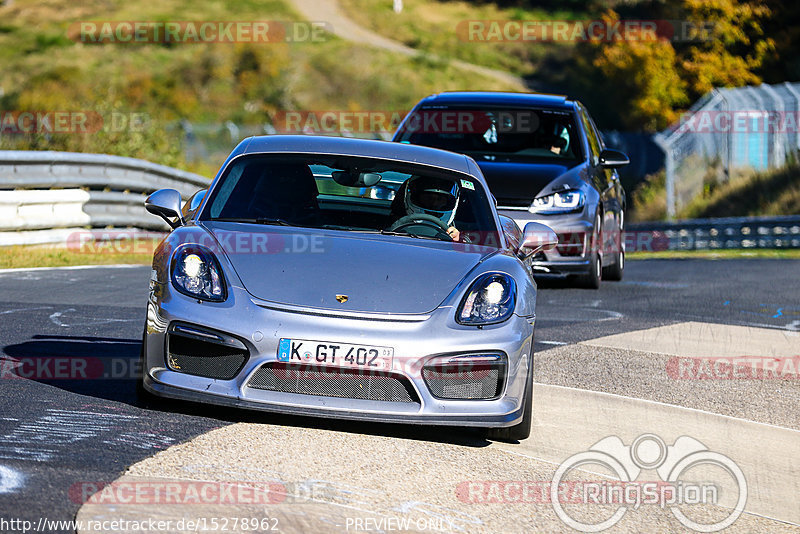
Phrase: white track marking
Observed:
(43, 438)
(72, 268)
(56, 317)
(6, 312)
(10, 480)
(87, 321)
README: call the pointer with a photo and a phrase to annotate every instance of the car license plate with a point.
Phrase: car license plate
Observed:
(335, 354)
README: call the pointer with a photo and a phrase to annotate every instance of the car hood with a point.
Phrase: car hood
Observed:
(379, 274)
(517, 184)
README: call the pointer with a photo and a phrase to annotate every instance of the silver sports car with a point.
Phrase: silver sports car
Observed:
(345, 278)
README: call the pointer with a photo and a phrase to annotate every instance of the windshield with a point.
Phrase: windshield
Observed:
(354, 194)
(495, 133)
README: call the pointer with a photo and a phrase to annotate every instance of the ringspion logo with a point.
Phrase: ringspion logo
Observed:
(675, 491)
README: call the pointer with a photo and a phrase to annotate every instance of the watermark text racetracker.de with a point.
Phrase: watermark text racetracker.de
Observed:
(114, 242)
(591, 30)
(145, 524)
(736, 368)
(137, 242)
(199, 31)
(21, 122)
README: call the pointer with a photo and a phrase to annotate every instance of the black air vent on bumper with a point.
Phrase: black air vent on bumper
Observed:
(202, 352)
(332, 382)
(465, 380)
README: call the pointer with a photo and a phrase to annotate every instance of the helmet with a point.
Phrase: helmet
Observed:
(433, 196)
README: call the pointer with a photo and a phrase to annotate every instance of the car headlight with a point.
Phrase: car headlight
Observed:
(561, 202)
(196, 273)
(490, 300)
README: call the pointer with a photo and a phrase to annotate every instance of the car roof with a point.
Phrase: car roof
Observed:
(498, 99)
(347, 146)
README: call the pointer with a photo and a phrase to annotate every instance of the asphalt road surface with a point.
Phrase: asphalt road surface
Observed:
(58, 436)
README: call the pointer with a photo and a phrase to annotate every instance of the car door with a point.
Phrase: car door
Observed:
(606, 181)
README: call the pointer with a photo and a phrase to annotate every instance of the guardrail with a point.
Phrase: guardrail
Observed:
(46, 195)
(725, 233)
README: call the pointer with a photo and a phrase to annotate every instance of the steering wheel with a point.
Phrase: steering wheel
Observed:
(422, 219)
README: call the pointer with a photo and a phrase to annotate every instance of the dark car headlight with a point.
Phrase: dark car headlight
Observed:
(196, 273)
(490, 299)
(561, 202)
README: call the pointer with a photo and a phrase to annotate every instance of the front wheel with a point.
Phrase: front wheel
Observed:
(144, 398)
(521, 430)
(614, 272)
(591, 279)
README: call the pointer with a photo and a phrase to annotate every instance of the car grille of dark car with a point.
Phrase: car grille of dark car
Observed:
(513, 202)
(465, 381)
(204, 358)
(333, 382)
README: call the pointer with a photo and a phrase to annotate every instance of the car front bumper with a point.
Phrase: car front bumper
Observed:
(574, 229)
(416, 340)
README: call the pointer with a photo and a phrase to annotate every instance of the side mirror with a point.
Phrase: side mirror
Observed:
(613, 158)
(166, 203)
(191, 205)
(537, 237)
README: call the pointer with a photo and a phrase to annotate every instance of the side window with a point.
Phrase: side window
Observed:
(591, 135)
(596, 131)
(226, 188)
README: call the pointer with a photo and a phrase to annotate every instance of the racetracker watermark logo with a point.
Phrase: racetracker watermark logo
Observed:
(70, 368)
(596, 30)
(434, 121)
(229, 242)
(672, 463)
(738, 368)
(70, 122)
(198, 31)
(178, 492)
(744, 121)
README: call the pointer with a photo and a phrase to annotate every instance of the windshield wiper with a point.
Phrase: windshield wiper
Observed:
(405, 234)
(277, 222)
(255, 220)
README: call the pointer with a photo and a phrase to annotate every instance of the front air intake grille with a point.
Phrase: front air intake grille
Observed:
(204, 358)
(464, 380)
(333, 382)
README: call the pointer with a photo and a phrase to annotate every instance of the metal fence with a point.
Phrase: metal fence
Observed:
(46, 196)
(711, 234)
(747, 128)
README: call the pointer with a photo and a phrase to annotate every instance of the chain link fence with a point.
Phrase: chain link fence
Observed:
(727, 131)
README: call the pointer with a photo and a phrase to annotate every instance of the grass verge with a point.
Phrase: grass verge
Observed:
(24, 256)
(442, 28)
(770, 192)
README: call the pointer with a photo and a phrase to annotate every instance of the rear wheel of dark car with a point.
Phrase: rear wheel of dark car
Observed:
(615, 271)
(591, 279)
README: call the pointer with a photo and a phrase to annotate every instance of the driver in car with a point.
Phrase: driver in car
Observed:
(435, 197)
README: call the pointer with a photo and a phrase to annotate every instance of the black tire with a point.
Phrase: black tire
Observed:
(614, 272)
(592, 278)
(521, 430)
(144, 398)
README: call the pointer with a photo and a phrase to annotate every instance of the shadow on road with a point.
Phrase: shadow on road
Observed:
(110, 369)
